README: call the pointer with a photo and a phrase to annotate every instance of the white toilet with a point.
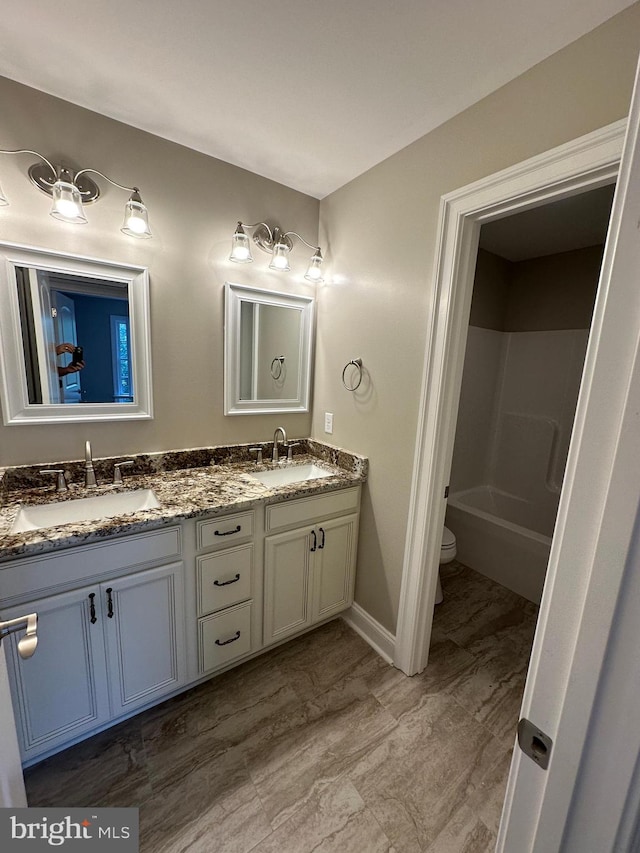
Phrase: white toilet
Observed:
(447, 554)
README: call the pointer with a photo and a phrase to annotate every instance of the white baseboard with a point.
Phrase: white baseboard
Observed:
(372, 632)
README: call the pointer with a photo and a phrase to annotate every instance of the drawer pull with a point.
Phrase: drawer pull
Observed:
(321, 545)
(226, 583)
(92, 607)
(315, 541)
(109, 603)
(226, 642)
(228, 532)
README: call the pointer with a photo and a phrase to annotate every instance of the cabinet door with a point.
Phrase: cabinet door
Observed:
(60, 692)
(287, 589)
(334, 566)
(144, 621)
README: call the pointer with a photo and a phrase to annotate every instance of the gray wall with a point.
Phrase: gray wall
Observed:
(554, 292)
(490, 291)
(194, 202)
(541, 294)
(381, 231)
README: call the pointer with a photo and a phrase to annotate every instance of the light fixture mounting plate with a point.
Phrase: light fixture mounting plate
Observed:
(265, 241)
(41, 177)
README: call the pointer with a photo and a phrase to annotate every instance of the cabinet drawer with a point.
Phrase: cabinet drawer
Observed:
(311, 509)
(37, 576)
(224, 578)
(224, 637)
(224, 531)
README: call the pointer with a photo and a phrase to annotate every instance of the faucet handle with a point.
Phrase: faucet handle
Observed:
(61, 482)
(117, 473)
(290, 447)
(258, 452)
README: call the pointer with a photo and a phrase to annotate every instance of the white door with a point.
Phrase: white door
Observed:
(587, 800)
(12, 793)
(59, 693)
(45, 336)
(334, 566)
(287, 590)
(66, 332)
(143, 615)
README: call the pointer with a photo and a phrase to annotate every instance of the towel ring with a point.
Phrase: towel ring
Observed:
(357, 363)
(276, 366)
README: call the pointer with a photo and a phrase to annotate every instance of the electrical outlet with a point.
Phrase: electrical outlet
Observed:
(328, 422)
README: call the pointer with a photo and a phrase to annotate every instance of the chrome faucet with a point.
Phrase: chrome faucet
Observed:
(275, 442)
(89, 473)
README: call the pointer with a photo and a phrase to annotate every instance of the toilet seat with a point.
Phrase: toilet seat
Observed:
(448, 538)
(448, 549)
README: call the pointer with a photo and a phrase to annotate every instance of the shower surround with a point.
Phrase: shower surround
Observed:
(517, 405)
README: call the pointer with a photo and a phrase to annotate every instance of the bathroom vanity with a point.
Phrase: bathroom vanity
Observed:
(134, 608)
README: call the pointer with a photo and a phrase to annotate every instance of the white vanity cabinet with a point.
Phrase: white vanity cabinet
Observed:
(104, 648)
(127, 622)
(226, 585)
(309, 568)
(62, 691)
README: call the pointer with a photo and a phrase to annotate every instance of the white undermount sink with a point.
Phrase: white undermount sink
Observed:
(38, 516)
(294, 474)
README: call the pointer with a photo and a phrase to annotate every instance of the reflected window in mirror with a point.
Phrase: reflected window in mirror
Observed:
(75, 338)
(268, 347)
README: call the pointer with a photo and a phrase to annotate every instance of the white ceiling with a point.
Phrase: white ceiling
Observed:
(307, 93)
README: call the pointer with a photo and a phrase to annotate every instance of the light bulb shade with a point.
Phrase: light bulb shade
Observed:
(136, 218)
(240, 247)
(67, 202)
(280, 260)
(314, 272)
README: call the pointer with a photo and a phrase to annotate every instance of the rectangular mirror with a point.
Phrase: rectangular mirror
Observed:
(268, 347)
(75, 342)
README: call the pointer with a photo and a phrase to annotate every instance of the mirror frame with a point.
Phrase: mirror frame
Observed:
(16, 409)
(235, 294)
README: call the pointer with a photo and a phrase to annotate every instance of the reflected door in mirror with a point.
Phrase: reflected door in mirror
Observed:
(74, 338)
(59, 312)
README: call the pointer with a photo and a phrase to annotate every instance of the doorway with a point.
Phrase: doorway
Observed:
(587, 163)
(534, 289)
(596, 516)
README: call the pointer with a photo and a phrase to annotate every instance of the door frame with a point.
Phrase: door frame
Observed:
(591, 594)
(586, 163)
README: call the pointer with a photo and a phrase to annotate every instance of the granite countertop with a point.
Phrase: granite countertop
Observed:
(187, 484)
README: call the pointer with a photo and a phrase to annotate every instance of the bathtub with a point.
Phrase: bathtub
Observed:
(506, 538)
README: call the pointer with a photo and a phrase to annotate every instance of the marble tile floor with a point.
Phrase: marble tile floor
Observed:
(321, 746)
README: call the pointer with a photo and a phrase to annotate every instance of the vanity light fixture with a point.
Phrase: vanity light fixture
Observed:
(70, 191)
(278, 243)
